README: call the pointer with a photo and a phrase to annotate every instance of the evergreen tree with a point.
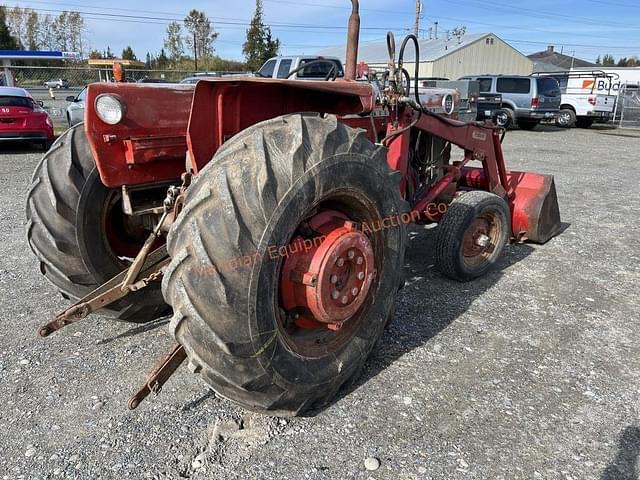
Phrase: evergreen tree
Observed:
(127, 54)
(201, 34)
(608, 60)
(260, 46)
(7, 42)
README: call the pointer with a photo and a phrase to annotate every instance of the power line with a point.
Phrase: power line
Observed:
(217, 22)
(537, 14)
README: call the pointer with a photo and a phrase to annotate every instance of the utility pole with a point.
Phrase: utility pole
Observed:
(195, 51)
(418, 12)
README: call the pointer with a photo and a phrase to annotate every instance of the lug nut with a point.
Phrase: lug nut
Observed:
(340, 262)
(361, 276)
(335, 294)
(359, 260)
(354, 291)
(333, 279)
(345, 299)
(351, 254)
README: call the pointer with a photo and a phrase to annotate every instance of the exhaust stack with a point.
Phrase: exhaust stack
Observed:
(353, 37)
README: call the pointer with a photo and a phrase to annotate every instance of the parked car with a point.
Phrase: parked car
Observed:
(152, 80)
(23, 119)
(75, 111)
(57, 83)
(193, 80)
(526, 101)
(318, 68)
(582, 103)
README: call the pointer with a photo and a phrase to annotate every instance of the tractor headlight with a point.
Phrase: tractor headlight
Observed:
(110, 109)
(448, 104)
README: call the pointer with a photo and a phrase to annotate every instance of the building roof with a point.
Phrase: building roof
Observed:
(430, 50)
(14, 92)
(108, 62)
(552, 61)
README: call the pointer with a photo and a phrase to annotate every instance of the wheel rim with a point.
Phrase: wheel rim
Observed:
(481, 239)
(124, 234)
(564, 118)
(502, 119)
(328, 275)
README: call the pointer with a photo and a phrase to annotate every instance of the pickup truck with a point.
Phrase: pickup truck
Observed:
(581, 105)
(292, 67)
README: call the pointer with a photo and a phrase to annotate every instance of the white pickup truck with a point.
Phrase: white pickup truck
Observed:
(293, 67)
(581, 104)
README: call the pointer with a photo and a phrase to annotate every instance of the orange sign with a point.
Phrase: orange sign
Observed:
(588, 84)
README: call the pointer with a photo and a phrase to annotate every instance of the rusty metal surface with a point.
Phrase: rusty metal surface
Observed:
(353, 38)
(104, 295)
(222, 108)
(162, 371)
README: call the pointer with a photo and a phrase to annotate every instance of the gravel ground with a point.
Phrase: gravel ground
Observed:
(531, 372)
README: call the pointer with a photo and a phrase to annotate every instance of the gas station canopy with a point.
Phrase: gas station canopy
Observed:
(7, 55)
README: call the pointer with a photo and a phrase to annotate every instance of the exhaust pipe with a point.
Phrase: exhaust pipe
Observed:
(353, 37)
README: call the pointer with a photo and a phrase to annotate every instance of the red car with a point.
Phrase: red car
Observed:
(22, 118)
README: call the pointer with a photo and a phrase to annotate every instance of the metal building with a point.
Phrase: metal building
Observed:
(449, 58)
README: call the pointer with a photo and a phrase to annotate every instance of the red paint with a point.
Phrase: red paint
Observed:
(326, 278)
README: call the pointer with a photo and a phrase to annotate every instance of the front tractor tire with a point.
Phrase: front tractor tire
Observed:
(76, 228)
(472, 235)
(282, 279)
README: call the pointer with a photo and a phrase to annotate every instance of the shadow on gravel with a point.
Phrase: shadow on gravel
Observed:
(625, 465)
(19, 148)
(429, 303)
(146, 327)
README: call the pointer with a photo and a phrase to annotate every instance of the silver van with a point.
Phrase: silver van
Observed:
(526, 101)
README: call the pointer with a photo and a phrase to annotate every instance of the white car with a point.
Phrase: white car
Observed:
(75, 110)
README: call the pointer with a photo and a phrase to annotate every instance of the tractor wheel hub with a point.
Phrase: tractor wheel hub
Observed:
(328, 282)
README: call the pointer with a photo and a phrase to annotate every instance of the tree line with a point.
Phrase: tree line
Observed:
(29, 30)
(609, 61)
(187, 45)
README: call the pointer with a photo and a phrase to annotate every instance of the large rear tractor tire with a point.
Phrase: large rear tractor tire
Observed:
(286, 261)
(76, 228)
(472, 235)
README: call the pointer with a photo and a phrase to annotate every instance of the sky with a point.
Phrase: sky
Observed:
(584, 28)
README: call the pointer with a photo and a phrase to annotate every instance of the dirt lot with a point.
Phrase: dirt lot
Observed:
(531, 372)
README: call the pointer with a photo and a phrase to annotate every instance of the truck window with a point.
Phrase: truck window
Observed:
(514, 85)
(283, 68)
(320, 69)
(485, 85)
(267, 69)
(548, 87)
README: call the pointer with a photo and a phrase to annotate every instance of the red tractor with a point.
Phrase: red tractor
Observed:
(270, 217)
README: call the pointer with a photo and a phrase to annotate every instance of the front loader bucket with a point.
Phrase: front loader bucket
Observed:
(534, 206)
(535, 215)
